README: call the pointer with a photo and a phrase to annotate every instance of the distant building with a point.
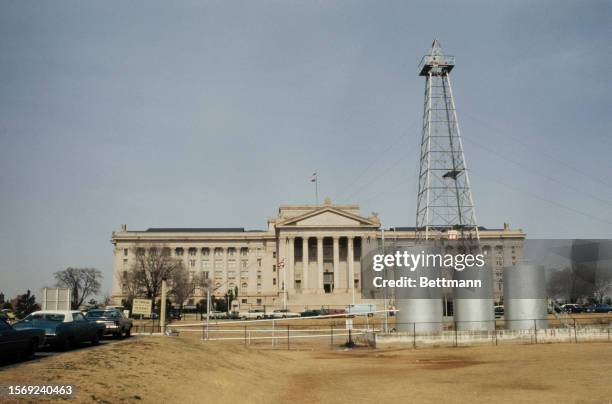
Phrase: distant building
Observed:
(1, 298)
(314, 249)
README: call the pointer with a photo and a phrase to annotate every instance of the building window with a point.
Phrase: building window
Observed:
(231, 251)
(245, 286)
(192, 252)
(258, 301)
(244, 264)
(205, 274)
(192, 263)
(218, 252)
(125, 262)
(273, 254)
(273, 268)
(274, 281)
(178, 251)
(125, 252)
(244, 301)
(298, 284)
(259, 262)
(140, 252)
(205, 264)
(205, 251)
(244, 251)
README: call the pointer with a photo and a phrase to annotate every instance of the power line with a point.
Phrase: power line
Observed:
(499, 132)
(549, 178)
(375, 161)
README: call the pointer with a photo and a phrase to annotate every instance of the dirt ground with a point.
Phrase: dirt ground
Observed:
(187, 370)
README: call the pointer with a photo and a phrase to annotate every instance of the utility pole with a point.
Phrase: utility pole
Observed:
(162, 313)
(386, 302)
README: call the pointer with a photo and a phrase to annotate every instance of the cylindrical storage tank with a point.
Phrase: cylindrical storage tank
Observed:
(420, 308)
(473, 307)
(525, 297)
(421, 316)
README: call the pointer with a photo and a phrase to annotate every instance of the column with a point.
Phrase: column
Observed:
(336, 264)
(224, 283)
(351, 265)
(305, 260)
(320, 264)
(290, 266)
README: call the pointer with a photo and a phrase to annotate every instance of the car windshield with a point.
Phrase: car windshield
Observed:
(101, 313)
(44, 317)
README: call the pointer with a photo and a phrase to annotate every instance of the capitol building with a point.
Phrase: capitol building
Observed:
(307, 257)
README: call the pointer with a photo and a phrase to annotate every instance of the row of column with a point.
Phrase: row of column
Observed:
(290, 265)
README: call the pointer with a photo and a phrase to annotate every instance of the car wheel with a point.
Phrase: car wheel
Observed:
(96, 339)
(128, 333)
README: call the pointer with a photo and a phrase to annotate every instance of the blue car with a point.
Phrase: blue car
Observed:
(63, 328)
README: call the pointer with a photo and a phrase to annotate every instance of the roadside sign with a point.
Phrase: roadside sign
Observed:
(349, 323)
(141, 306)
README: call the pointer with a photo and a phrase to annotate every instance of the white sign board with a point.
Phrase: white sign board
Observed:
(349, 324)
(141, 306)
(56, 298)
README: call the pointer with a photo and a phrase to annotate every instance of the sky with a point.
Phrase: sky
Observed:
(214, 113)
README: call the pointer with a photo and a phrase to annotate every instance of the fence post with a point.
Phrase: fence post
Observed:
(575, 333)
(535, 330)
(273, 333)
(288, 337)
(495, 331)
(245, 335)
(331, 333)
(455, 333)
(414, 335)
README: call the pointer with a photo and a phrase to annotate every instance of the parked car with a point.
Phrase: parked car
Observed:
(573, 308)
(63, 328)
(499, 311)
(600, 308)
(20, 342)
(361, 309)
(253, 314)
(114, 321)
(283, 313)
(310, 313)
(175, 315)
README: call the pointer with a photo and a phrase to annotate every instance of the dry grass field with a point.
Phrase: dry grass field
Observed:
(187, 370)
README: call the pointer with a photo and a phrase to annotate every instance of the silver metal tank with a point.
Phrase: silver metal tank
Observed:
(421, 316)
(525, 297)
(420, 308)
(473, 308)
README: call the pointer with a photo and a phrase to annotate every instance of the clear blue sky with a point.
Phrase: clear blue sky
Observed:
(214, 113)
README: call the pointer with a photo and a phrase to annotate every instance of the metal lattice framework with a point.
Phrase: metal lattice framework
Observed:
(444, 196)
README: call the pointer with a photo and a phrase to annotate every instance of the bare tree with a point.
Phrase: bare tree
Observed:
(83, 282)
(601, 285)
(183, 284)
(151, 265)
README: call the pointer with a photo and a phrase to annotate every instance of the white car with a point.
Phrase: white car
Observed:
(283, 313)
(253, 314)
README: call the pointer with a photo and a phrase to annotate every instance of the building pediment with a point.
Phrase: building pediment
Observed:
(329, 217)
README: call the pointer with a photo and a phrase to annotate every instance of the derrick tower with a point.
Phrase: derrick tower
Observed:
(444, 195)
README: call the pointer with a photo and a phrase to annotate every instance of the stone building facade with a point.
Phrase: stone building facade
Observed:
(309, 255)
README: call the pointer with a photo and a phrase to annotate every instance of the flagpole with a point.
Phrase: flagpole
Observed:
(317, 188)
